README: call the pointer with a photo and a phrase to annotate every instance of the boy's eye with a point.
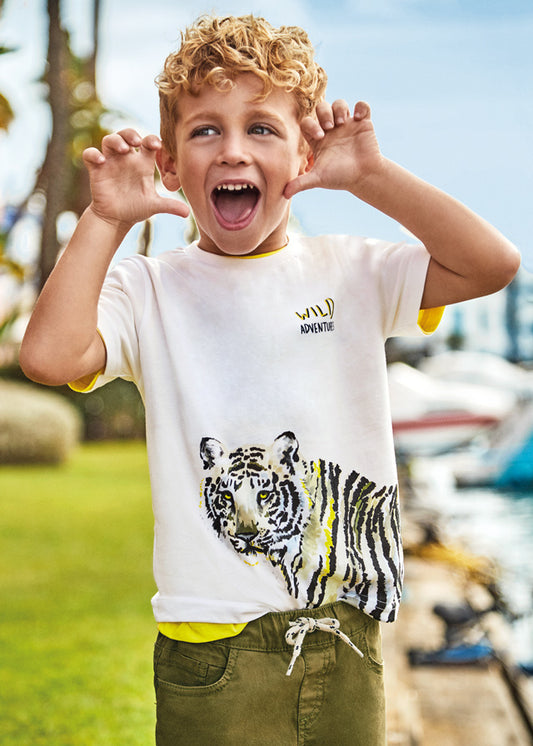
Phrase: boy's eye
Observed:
(204, 131)
(261, 129)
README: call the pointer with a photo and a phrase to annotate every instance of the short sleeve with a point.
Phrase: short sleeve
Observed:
(403, 269)
(117, 326)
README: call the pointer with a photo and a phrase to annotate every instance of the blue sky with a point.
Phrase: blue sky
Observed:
(449, 82)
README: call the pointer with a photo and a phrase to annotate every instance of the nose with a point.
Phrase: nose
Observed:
(233, 150)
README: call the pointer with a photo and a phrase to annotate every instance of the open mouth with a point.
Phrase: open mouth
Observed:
(235, 204)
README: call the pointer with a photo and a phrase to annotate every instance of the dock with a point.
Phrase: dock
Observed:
(488, 704)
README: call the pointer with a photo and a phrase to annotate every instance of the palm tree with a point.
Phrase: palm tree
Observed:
(77, 114)
(6, 112)
(52, 180)
(76, 124)
(6, 263)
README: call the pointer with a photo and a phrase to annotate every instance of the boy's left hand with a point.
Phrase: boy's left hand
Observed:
(469, 257)
(344, 149)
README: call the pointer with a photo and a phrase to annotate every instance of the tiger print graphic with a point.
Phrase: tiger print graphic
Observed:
(329, 536)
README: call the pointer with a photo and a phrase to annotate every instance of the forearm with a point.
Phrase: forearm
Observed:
(470, 256)
(61, 343)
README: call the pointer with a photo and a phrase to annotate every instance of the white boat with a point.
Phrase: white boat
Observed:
(485, 368)
(431, 416)
(505, 458)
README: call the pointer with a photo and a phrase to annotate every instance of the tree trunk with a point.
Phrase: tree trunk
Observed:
(55, 168)
(92, 60)
(82, 194)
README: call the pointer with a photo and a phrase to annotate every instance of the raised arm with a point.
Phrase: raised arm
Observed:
(61, 343)
(469, 257)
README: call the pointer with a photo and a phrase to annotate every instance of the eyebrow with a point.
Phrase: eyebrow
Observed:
(215, 115)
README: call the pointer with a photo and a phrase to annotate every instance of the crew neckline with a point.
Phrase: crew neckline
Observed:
(210, 258)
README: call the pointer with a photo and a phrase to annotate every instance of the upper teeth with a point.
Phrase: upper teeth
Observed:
(234, 187)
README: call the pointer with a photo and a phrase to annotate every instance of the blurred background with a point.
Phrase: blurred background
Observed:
(449, 83)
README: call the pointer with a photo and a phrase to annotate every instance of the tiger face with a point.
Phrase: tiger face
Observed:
(255, 496)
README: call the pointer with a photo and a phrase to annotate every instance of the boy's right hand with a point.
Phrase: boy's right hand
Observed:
(122, 180)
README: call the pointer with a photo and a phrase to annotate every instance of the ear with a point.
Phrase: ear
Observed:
(211, 452)
(167, 167)
(286, 449)
(308, 160)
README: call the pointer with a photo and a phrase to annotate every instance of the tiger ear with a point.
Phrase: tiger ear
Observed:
(286, 448)
(211, 452)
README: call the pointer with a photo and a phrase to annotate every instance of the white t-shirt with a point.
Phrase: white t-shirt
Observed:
(268, 424)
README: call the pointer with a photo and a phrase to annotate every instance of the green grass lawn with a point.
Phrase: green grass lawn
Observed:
(76, 625)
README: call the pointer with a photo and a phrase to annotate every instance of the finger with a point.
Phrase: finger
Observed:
(121, 142)
(92, 157)
(172, 207)
(300, 184)
(151, 142)
(361, 111)
(311, 129)
(324, 113)
(341, 111)
(113, 144)
(131, 137)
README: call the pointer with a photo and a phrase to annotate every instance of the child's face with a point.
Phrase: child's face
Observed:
(233, 159)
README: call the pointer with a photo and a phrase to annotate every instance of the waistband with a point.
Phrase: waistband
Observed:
(268, 632)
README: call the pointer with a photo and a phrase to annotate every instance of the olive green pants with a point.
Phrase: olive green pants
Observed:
(235, 692)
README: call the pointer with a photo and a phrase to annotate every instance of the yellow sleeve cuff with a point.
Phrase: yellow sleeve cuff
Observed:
(430, 318)
(86, 383)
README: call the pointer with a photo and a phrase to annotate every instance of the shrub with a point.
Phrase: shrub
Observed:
(113, 412)
(36, 426)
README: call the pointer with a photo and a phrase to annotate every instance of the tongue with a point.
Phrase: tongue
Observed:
(236, 206)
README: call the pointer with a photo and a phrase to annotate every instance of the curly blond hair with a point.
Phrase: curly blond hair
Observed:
(214, 50)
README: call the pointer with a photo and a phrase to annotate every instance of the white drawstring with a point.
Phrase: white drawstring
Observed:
(300, 627)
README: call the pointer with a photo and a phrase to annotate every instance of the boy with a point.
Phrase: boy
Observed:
(260, 361)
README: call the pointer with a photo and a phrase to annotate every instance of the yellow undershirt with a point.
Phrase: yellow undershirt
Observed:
(199, 631)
